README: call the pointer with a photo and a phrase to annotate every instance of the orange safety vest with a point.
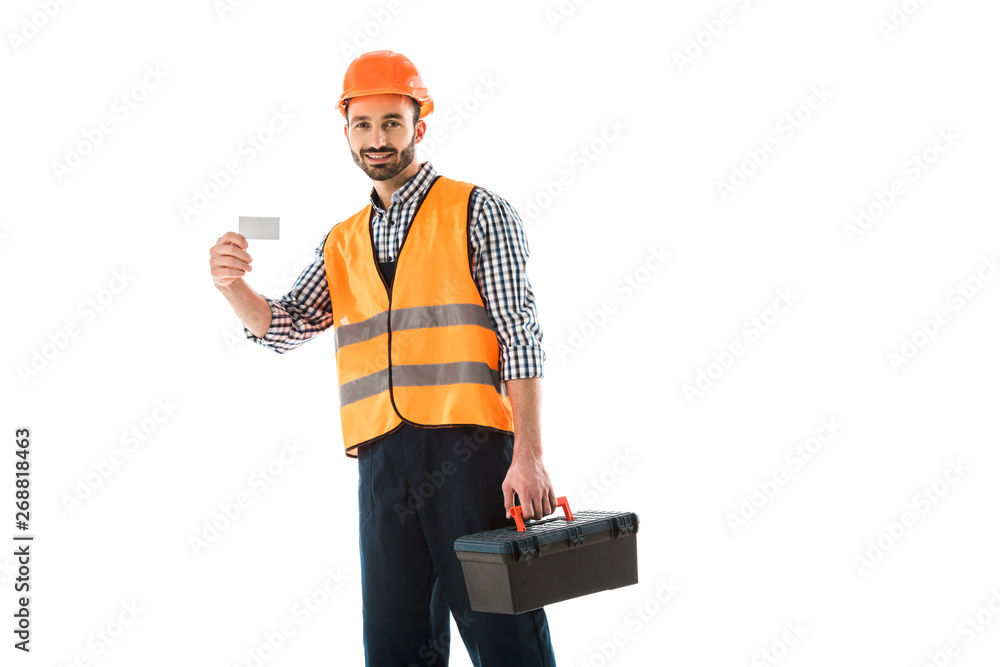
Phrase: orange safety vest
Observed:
(423, 351)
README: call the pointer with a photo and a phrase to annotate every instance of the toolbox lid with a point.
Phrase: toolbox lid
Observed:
(509, 540)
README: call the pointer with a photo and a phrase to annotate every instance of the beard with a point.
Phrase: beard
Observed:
(392, 168)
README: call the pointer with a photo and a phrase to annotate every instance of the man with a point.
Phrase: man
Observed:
(439, 363)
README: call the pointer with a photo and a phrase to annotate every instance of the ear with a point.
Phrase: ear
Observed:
(345, 133)
(420, 130)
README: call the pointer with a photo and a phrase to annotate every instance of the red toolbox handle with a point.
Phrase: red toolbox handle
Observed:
(517, 512)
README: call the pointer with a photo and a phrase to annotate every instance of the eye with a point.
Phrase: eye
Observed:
(392, 122)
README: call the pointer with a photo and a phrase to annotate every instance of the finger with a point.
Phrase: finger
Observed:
(547, 506)
(228, 273)
(234, 238)
(529, 507)
(231, 263)
(508, 498)
(229, 250)
(552, 500)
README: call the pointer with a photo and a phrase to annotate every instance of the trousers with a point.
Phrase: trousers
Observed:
(418, 490)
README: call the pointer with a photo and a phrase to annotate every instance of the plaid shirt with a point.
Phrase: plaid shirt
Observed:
(500, 254)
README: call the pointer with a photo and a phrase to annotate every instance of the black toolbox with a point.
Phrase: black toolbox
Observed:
(524, 567)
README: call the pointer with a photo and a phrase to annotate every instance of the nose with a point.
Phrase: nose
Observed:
(378, 137)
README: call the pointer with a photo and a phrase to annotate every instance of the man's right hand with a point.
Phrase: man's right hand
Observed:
(229, 259)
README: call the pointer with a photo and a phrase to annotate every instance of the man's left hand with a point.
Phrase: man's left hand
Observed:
(528, 478)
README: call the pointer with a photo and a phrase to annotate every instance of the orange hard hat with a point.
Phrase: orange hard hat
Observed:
(384, 72)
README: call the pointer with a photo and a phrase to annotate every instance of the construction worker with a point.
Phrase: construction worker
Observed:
(439, 362)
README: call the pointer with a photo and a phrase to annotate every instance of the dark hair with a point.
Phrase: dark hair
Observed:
(415, 104)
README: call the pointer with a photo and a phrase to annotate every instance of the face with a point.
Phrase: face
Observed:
(382, 135)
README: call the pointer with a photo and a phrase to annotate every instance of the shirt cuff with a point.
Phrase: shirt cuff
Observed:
(521, 361)
(280, 325)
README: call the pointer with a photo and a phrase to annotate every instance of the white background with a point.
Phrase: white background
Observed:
(662, 135)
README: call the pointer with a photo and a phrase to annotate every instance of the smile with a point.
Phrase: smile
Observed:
(378, 157)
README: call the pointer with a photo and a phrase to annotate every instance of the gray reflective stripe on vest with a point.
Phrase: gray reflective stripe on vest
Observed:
(419, 375)
(363, 387)
(417, 317)
(348, 334)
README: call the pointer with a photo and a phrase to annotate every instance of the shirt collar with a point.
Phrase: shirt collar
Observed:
(417, 185)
